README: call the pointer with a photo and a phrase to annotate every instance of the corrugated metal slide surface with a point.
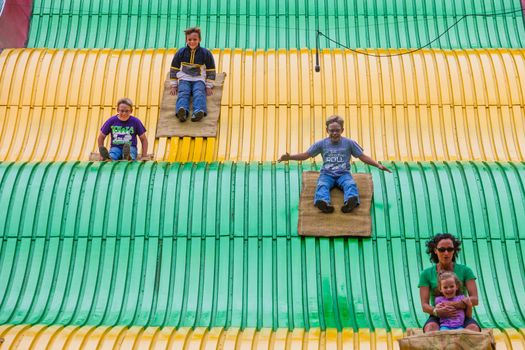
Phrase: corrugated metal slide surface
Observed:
(432, 105)
(215, 245)
(70, 337)
(277, 24)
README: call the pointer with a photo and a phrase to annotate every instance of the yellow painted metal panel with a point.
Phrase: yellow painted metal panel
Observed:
(112, 337)
(162, 338)
(431, 105)
(87, 337)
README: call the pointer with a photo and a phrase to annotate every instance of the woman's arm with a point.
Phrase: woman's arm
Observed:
(424, 296)
(468, 307)
(441, 310)
(472, 290)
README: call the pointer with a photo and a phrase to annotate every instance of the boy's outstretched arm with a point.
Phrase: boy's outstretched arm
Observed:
(298, 156)
(366, 159)
(144, 142)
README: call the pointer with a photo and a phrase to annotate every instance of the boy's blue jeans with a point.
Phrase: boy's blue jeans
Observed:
(187, 89)
(115, 153)
(326, 182)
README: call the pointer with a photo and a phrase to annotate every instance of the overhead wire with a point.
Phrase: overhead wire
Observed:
(319, 33)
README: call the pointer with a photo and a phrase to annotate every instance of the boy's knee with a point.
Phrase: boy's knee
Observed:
(133, 153)
(349, 184)
(115, 154)
(321, 184)
(199, 93)
(348, 181)
(183, 94)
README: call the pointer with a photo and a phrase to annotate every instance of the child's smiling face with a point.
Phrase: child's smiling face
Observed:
(448, 288)
(124, 111)
(334, 131)
(193, 40)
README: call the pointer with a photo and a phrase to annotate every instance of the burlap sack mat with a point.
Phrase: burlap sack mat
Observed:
(461, 339)
(168, 124)
(312, 222)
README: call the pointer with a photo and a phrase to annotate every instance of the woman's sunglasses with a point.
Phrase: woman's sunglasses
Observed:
(449, 249)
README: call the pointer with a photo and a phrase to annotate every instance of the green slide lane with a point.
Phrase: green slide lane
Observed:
(216, 244)
(71, 199)
(276, 24)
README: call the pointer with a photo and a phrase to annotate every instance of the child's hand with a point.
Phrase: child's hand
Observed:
(446, 310)
(284, 157)
(384, 168)
(173, 91)
(209, 91)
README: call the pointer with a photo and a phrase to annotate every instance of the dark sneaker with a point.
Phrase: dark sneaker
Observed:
(104, 153)
(197, 116)
(126, 151)
(182, 114)
(324, 207)
(349, 205)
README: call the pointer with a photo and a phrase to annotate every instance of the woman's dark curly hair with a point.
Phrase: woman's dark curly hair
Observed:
(433, 242)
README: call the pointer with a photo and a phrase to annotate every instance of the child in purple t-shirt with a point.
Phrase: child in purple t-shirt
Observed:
(336, 151)
(450, 288)
(124, 129)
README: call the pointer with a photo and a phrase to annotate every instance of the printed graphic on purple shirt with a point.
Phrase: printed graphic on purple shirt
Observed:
(336, 156)
(123, 132)
(452, 322)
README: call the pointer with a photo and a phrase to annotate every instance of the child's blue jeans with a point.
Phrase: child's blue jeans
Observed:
(187, 89)
(115, 153)
(326, 182)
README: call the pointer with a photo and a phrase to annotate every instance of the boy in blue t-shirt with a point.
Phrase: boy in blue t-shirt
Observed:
(124, 129)
(336, 152)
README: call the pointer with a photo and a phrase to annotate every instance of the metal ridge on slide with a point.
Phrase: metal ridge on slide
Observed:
(431, 105)
(215, 245)
(72, 337)
(276, 24)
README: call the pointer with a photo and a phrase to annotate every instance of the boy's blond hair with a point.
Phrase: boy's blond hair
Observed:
(335, 119)
(192, 30)
(126, 101)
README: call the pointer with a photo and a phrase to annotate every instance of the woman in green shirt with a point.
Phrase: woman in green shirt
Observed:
(443, 249)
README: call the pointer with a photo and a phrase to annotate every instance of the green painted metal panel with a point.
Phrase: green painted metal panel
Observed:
(276, 24)
(216, 244)
(477, 199)
(359, 283)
